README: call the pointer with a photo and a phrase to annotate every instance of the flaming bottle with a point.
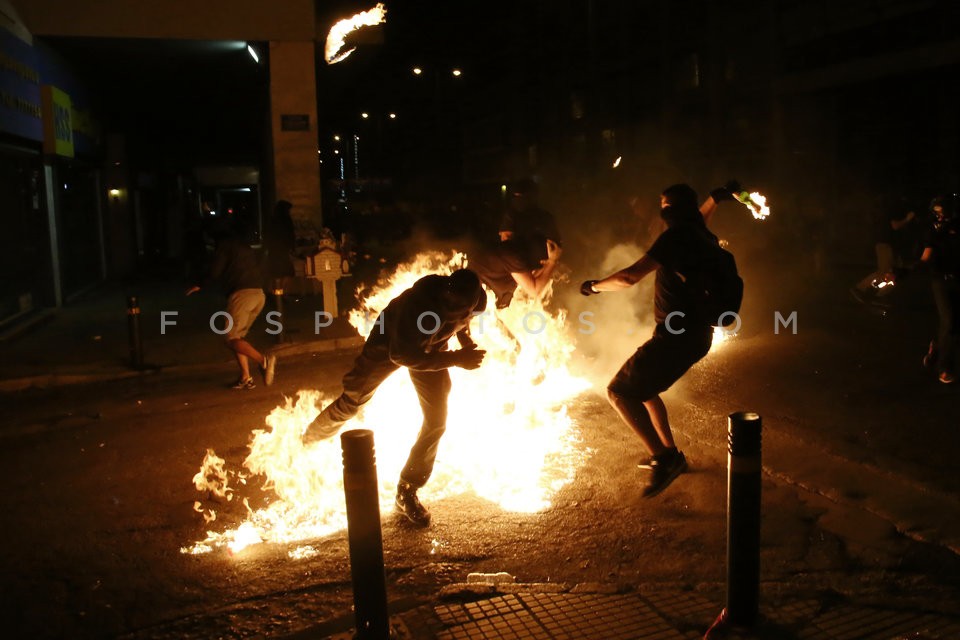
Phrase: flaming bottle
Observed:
(755, 202)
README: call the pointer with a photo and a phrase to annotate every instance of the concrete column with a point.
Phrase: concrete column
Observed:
(293, 124)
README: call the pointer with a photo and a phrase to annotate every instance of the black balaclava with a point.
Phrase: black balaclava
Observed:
(681, 205)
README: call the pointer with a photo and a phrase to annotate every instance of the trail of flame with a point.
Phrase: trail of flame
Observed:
(338, 33)
(509, 439)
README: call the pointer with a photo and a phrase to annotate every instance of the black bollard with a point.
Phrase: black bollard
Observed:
(743, 519)
(133, 332)
(278, 302)
(364, 535)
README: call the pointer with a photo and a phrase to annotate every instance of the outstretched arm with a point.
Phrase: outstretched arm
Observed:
(628, 277)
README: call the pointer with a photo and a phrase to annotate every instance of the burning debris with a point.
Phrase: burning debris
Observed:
(333, 48)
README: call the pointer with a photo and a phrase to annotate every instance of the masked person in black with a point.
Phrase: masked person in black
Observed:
(683, 332)
(941, 255)
(412, 332)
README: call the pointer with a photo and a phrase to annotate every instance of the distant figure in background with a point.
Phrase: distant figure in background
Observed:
(941, 255)
(280, 240)
(888, 223)
(528, 251)
(413, 332)
(235, 267)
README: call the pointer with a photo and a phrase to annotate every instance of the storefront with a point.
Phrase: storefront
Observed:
(51, 247)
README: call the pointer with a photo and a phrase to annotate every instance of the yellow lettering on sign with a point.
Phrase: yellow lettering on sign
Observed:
(57, 121)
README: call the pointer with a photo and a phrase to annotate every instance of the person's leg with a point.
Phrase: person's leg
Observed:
(433, 389)
(634, 414)
(941, 299)
(244, 352)
(658, 416)
(359, 385)
(243, 306)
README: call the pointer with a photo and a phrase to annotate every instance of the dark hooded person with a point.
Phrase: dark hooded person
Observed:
(683, 333)
(413, 332)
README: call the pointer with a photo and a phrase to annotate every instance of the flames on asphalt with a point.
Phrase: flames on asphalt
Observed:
(509, 437)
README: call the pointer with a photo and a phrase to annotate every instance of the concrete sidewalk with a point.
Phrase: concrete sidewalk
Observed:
(89, 339)
(478, 611)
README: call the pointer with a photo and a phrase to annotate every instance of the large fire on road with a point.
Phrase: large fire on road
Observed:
(509, 437)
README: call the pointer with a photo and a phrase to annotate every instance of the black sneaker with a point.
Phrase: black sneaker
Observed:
(409, 505)
(666, 468)
(647, 463)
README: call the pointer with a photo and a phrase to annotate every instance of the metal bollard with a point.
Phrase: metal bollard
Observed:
(278, 303)
(133, 332)
(364, 535)
(743, 518)
(743, 525)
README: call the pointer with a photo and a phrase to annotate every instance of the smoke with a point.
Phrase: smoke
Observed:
(609, 326)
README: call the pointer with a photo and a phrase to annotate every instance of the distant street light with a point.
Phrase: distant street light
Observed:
(417, 71)
(457, 73)
(393, 116)
(364, 115)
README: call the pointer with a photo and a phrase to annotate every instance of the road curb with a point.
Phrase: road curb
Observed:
(65, 378)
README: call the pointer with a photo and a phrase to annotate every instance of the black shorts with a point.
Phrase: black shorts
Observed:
(661, 361)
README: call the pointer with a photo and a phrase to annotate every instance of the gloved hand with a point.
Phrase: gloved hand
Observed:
(728, 191)
(587, 288)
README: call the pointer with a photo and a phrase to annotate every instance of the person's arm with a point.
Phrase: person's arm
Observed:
(922, 264)
(534, 282)
(707, 209)
(408, 342)
(718, 195)
(899, 223)
(622, 279)
(216, 270)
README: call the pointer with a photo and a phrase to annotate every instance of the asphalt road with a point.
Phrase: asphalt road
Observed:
(859, 490)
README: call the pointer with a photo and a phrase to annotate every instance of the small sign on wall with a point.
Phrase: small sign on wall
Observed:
(294, 122)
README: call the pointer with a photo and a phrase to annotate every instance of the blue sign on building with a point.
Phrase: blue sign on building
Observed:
(20, 102)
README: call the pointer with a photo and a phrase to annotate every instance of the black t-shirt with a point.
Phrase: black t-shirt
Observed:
(945, 243)
(682, 251)
(235, 266)
(414, 325)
